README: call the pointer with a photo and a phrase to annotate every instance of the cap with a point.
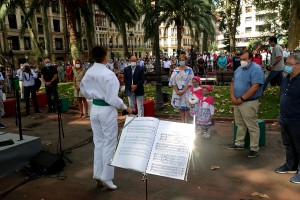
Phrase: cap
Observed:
(209, 88)
(197, 78)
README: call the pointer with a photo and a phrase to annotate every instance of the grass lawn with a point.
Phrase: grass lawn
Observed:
(268, 109)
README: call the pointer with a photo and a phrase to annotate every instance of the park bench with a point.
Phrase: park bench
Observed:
(224, 77)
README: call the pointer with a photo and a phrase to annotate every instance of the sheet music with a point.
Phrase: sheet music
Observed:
(135, 144)
(171, 150)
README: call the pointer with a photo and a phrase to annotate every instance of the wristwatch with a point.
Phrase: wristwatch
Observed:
(242, 98)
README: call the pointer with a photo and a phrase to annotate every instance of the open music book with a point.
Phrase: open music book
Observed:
(153, 146)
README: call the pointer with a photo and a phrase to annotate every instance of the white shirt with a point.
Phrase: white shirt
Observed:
(19, 73)
(1, 79)
(167, 64)
(28, 79)
(264, 55)
(101, 83)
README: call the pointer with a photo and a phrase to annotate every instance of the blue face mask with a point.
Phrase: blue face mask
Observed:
(181, 63)
(288, 69)
(48, 64)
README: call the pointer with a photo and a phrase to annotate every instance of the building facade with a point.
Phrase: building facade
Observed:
(250, 28)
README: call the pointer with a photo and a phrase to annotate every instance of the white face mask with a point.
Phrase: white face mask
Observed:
(244, 64)
(77, 65)
(133, 64)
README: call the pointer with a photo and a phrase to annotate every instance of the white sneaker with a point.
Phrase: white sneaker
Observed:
(109, 184)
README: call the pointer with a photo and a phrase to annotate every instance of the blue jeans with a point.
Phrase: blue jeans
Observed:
(273, 75)
(291, 140)
(140, 103)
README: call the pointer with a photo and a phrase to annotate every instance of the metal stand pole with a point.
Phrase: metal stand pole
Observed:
(145, 179)
(19, 114)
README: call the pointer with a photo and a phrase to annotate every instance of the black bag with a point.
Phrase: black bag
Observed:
(37, 84)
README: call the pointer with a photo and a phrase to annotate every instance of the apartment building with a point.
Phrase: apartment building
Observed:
(251, 27)
(168, 40)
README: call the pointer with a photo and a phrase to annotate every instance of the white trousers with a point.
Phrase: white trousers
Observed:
(21, 84)
(105, 130)
(140, 103)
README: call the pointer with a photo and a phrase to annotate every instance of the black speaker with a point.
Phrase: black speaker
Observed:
(47, 163)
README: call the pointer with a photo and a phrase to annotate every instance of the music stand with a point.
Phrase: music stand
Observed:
(61, 133)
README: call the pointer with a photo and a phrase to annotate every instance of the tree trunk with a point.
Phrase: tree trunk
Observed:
(179, 33)
(294, 26)
(159, 103)
(71, 25)
(232, 21)
(204, 41)
(90, 29)
(48, 38)
(124, 38)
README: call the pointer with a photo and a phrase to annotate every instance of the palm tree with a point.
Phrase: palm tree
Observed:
(121, 13)
(196, 14)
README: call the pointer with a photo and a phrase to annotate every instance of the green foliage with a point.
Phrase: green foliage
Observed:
(213, 47)
(268, 109)
(277, 15)
(253, 44)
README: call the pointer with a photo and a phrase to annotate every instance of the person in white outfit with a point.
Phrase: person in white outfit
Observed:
(19, 74)
(28, 76)
(102, 85)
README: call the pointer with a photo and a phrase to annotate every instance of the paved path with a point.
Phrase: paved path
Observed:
(237, 178)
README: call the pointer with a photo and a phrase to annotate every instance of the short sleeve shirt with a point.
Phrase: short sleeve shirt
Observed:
(276, 52)
(244, 79)
(48, 73)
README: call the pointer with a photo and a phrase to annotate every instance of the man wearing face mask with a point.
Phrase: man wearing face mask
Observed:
(246, 89)
(49, 77)
(134, 85)
(277, 63)
(289, 117)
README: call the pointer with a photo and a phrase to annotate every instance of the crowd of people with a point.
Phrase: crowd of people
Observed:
(106, 79)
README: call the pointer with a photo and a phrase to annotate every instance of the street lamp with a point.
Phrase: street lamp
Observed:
(26, 58)
(131, 35)
(110, 47)
(11, 54)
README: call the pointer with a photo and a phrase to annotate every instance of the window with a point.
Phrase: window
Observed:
(55, 7)
(248, 9)
(27, 44)
(58, 43)
(56, 25)
(85, 44)
(259, 28)
(15, 43)
(100, 20)
(12, 20)
(248, 30)
(40, 25)
(260, 18)
(248, 19)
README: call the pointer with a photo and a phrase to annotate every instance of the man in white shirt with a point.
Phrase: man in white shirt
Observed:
(102, 85)
(19, 72)
(166, 65)
(264, 58)
(27, 76)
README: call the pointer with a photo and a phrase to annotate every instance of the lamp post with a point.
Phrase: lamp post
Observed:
(131, 40)
(11, 54)
(158, 95)
(26, 58)
(110, 48)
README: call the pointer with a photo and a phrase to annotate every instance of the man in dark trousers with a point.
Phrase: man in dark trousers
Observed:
(49, 78)
(134, 85)
(289, 117)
